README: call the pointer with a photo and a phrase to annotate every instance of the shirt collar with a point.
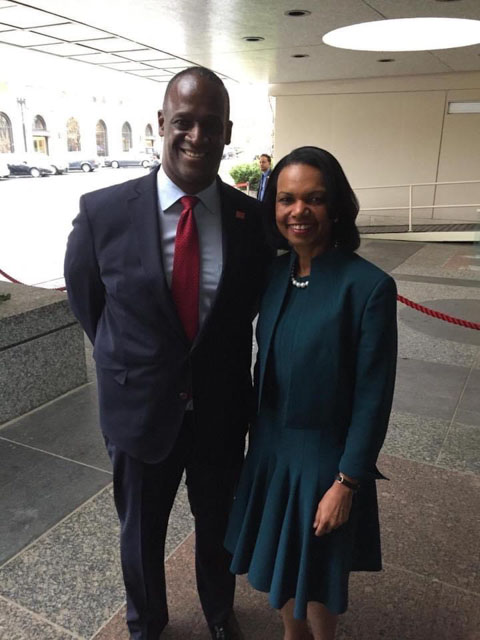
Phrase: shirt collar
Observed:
(169, 193)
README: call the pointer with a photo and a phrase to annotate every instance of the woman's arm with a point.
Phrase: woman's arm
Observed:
(376, 359)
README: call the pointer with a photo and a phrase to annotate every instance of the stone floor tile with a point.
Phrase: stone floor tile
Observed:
(67, 427)
(388, 255)
(415, 437)
(72, 575)
(19, 624)
(414, 345)
(457, 615)
(428, 388)
(429, 518)
(461, 449)
(468, 417)
(471, 398)
(435, 259)
(38, 490)
(392, 604)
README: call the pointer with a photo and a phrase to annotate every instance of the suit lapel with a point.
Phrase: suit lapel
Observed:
(227, 211)
(143, 211)
(269, 312)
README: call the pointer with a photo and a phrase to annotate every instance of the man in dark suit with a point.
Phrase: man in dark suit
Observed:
(265, 164)
(166, 286)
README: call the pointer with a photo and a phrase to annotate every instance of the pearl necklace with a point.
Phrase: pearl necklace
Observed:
(294, 281)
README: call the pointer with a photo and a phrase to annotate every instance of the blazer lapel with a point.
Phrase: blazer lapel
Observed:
(143, 211)
(227, 211)
(269, 312)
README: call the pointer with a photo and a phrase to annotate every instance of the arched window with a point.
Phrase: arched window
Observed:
(73, 135)
(39, 124)
(6, 137)
(40, 135)
(149, 138)
(102, 139)
(126, 137)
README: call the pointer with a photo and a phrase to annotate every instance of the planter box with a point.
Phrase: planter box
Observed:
(42, 352)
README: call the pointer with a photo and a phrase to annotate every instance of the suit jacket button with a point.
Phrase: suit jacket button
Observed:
(183, 395)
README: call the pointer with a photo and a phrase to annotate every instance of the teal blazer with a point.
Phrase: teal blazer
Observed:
(342, 375)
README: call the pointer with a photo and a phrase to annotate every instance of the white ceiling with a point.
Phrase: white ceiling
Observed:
(156, 38)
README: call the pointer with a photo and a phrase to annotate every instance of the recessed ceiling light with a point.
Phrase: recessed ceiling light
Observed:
(253, 38)
(297, 13)
(386, 60)
(406, 34)
(300, 55)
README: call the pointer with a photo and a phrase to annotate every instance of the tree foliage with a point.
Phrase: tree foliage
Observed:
(246, 173)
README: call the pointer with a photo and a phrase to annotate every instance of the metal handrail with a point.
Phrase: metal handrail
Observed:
(411, 206)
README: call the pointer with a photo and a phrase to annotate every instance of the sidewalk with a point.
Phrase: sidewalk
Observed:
(59, 567)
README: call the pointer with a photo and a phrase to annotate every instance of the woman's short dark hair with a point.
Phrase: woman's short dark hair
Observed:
(342, 203)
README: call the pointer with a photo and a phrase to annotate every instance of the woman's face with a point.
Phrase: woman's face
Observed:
(300, 209)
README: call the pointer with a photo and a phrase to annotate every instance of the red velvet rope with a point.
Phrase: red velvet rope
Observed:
(438, 314)
(5, 275)
(409, 303)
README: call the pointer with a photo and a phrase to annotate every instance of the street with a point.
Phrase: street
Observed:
(36, 217)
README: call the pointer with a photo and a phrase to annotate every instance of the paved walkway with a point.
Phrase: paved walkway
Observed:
(59, 566)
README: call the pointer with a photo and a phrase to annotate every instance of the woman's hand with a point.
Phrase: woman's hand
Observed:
(333, 509)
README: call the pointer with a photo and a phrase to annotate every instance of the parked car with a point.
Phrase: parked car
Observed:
(80, 163)
(4, 170)
(34, 166)
(58, 165)
(129, 160)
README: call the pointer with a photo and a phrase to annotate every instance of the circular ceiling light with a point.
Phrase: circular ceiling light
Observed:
(297, 13)
(406, 34)
(253, 38)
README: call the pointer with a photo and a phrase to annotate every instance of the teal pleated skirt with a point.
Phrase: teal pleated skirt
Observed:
(270, 532)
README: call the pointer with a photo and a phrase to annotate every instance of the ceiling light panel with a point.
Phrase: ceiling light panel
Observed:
(72, 32)
(175, 64)
(24, 18)
(406, 34)
(99, 58)
(144, 54)
(66, 49)
(25, 38)
(115, 44)
(129, 66)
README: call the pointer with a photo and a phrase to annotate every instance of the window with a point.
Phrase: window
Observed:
(126, 137)
(6, 137)
(39, 124)
(40, 135)
(102, 140)
(149, 138)
(73, 135)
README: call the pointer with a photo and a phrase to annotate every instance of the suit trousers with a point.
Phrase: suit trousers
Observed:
(144, 495)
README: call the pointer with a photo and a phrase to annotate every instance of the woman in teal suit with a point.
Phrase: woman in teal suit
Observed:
(305, 513)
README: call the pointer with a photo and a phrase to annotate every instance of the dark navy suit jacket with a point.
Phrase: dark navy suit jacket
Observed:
(146, 367)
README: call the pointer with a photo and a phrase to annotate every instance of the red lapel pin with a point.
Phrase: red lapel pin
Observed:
(240, 215)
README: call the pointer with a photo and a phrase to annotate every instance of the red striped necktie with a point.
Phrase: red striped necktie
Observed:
(186, 268)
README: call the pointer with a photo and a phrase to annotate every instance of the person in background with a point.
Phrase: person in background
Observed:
(305, 512)
(164, 273)
(264, 162)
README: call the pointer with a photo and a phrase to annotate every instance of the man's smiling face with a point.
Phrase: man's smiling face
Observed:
(195, 127)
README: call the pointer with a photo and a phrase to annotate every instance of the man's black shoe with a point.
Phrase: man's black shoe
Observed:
(228, 630)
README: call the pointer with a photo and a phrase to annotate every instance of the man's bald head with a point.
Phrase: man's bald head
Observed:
(201, 72)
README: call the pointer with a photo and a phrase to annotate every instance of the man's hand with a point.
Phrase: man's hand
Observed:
(333, 509)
